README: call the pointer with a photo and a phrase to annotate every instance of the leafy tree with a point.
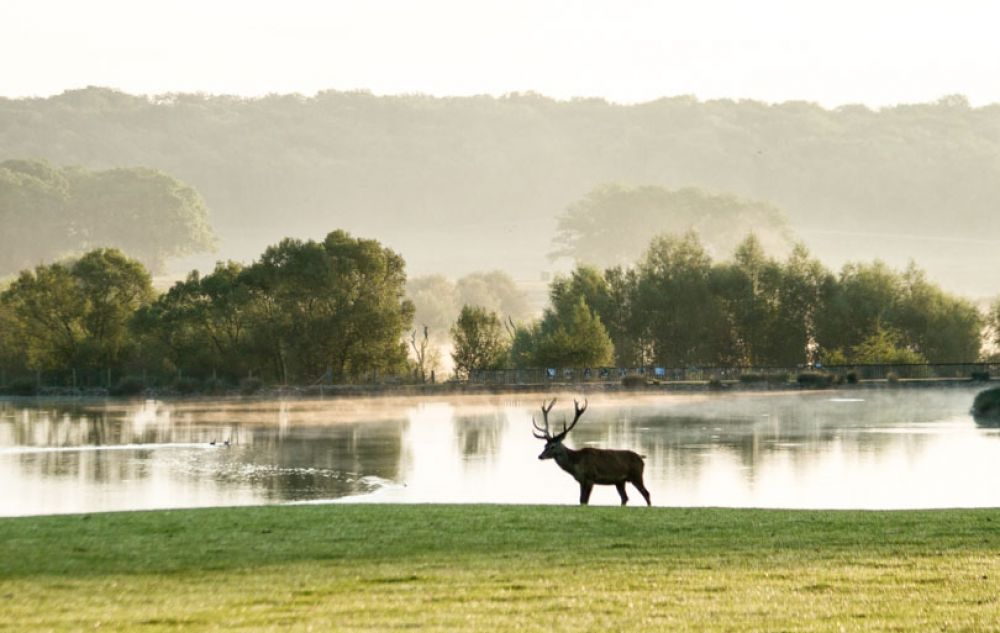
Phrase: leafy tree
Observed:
(605, 226)
(573, 336)
(202, 325)
(145, 212)
(684, 319)
(478, 341)
(75, 314)
(942, 328)
(396, 166)
(496, 291)
(36, 226)
(437, 300)
(629, 333)
(928, 321)
(748, 287)
(434, 303)
(804, 292)
(49, 212)
(337, 305)
(884, 347)
(864, 296)
(993, 321)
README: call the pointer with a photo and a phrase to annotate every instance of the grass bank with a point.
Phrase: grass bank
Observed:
(501, 568)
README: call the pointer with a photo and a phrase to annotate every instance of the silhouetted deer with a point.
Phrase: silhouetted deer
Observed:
(591, 466)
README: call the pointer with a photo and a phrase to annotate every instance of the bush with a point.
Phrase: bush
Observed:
(215, 386)
(22, 387)
(980, 376)
(814, 380)
(771, 379)
(185, 385)
(987, 403)
(128, 386)
(250, 386)
(634, 381)
(892, 377)
(851, 377)
(715, 384)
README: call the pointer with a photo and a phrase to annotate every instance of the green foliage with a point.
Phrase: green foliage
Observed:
(250, 386)
(932, 324)
(572, 336)
(437, 300)
(987, 403)
(633, 381)
(75, 314)
(128, 386)
(683, 320)
(884, 347)
(608, 225)
(48, 213)
(396, 166)
(202, 324)
(478, 341)
(679, 308)
(815, 380)
(571, 332)
(337, 305)
(434, 303)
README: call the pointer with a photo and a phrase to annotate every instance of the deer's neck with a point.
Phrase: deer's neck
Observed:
(568, 460)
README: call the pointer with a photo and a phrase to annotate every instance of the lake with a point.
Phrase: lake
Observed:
(866, 448)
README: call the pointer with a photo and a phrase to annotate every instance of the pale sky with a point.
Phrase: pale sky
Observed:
(835, 52)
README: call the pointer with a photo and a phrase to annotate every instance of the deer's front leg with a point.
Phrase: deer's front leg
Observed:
(585, 493)
(621, 492)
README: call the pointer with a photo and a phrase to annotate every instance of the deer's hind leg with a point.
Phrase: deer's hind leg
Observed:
(621, 491)
(641, 488)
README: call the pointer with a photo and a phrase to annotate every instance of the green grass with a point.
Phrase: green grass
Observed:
(501, 568)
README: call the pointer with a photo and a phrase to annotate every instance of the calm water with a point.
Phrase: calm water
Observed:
(863, 449)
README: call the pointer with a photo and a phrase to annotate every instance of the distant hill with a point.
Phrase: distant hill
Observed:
(476, 183)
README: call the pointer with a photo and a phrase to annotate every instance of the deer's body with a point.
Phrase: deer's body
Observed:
(590, 466)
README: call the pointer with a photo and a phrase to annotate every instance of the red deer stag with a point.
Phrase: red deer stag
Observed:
(591, 466)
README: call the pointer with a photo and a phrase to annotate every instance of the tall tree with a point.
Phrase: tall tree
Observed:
(49, 213)
(336, 305)
(478, 341)
(202, 325)
(76, 314)
(686, 321)
(606, 225)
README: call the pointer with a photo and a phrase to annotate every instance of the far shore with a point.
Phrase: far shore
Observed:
(445, 389)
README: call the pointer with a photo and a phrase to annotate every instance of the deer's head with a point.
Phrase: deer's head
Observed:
(553, 443)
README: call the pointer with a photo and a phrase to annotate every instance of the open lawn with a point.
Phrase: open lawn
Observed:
(501, 568)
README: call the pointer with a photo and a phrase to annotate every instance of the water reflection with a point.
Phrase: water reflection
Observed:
(864, 449)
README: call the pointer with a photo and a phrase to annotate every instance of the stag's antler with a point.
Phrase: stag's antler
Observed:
(546, 435)
(546, 432)
(578, 410)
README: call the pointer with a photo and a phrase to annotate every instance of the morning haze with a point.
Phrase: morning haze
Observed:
(464, 184)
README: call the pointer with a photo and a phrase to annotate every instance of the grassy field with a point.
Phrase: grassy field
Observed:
(501, 568)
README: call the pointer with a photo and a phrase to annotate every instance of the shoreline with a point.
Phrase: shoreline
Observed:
(323, 392)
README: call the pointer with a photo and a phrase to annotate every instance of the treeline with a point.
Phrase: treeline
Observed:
(336, 311)
(303, 312)
(392, 166)
(676, 307)
(47, 213)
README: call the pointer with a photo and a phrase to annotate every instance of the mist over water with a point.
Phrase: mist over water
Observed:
(857, 449)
